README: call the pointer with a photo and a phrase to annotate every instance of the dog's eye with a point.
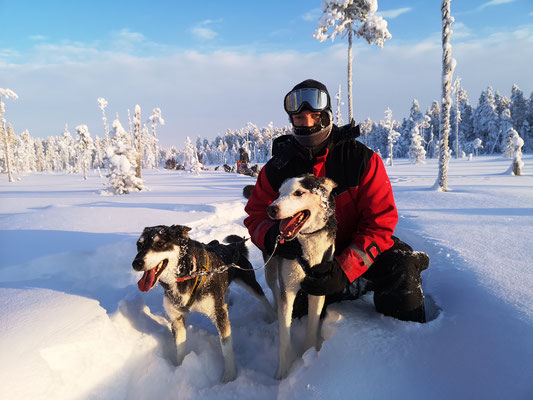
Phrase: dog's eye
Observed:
(298, 193)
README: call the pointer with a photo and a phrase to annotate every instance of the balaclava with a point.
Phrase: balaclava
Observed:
(314, 138)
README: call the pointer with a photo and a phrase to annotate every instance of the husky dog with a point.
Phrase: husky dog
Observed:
(193, 277)
(306, 211)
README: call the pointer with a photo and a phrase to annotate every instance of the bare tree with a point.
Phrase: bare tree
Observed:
(352, 17)
(7, 93)
(448, 65)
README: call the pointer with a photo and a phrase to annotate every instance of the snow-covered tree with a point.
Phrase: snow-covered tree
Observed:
(156, 118)
(85, 147)
(478, 144)
(7, 93)
(352, 17)
(138, 140)
(190, 159)
(507, 132)
(102, 103)
(122, 177)
(486, 120)
(517, 164)
(26, 153)
(338, 115)
(392, 135)
(417, 152)
(448, 65)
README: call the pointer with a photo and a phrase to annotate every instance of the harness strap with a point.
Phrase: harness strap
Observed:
(197, 286)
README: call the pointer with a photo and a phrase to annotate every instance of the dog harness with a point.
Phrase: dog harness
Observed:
(197, 285)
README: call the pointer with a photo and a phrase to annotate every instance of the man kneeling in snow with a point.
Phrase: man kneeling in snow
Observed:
(365, 209)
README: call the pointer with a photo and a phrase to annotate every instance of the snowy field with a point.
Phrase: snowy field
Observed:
(73, 324)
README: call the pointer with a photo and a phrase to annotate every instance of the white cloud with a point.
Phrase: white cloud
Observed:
(391, 14)
(202, 30)
(205, 93)
(312, 15)
(494, 3)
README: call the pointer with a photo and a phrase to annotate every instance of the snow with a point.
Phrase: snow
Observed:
(74, 325)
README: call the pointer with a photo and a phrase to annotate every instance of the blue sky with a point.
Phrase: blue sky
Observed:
(214, 65)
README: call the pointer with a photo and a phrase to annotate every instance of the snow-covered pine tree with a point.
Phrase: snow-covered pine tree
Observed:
(486, 120)
(12, 141)
(85, 147)
(7, 93)
(190, 159)
(417, 152)
(507, 131)
(67, 151)
(478, 144)
(448, 65)
(26, 152)
(456, 89)
(338, 115)
(518, 164)
(429, 133)
(122, 177)
(51, 155)
(518, 107)
(138, 140)
(352, 17)
(102, 103)
(392, 135)
(156, 118)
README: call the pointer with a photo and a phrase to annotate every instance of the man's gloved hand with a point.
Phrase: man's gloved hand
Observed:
(326, 278)
(290, 250)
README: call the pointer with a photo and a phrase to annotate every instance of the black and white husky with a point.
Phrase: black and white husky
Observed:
(306, 211)
(193, 277)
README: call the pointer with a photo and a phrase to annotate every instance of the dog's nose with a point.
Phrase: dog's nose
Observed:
(137, 264)
(272, 211)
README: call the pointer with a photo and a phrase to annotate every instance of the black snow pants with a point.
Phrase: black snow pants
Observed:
(395, 279)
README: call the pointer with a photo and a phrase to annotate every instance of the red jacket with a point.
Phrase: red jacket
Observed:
(365, 210)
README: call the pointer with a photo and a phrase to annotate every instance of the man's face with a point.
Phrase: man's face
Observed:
(306, 118)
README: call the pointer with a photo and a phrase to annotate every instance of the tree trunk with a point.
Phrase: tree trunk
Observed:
(447, 72)
(350, 101)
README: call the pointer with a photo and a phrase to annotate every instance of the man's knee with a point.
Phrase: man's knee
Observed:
(397, 284)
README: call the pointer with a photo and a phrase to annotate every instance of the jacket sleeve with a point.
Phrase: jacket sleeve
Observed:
(378, 217)
(258, 223)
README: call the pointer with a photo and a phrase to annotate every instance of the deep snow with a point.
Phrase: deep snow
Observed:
(74, 325)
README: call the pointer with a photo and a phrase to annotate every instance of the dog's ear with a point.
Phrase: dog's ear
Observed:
(180, 231)
(328, 183)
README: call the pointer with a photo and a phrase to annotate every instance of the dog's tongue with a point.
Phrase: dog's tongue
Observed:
(147, 281)
(289, 226)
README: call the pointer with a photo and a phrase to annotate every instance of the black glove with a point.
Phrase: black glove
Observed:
(326, 278)
(290, 250)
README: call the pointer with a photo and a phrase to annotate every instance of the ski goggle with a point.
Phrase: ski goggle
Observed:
(315, 99)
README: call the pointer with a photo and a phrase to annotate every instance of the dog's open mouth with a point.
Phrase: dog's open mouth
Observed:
(289, 227)
(149, 278)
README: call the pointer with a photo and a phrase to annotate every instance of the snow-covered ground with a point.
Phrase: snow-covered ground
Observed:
(73, 324)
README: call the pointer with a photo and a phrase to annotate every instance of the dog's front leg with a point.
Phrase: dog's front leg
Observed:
(178, 320)
(224, 331)
(316, 303)
(285, 306)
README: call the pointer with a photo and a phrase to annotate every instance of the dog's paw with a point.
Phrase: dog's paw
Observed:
(230, 374)
(282, 373)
